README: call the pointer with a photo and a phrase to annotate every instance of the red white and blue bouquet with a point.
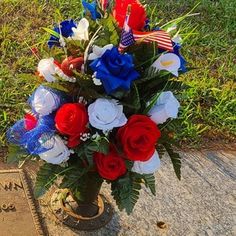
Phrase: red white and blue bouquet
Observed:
(104, 103)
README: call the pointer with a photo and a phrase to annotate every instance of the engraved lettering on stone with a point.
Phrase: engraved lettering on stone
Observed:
(7, 207)
(10, 185)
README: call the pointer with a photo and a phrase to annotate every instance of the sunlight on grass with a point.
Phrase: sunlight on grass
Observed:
(208, 105)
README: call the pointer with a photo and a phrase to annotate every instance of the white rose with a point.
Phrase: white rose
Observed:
(81, 31)
(44, 101)
(46, 68)
(147, 167)
(98, 51)
(105, 114)
(167, 106)
(58, 153)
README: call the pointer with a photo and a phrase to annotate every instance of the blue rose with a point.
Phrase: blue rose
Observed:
(92, 8)
(66, 31)
(115, 70)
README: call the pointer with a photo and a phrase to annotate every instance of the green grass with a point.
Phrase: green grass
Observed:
(208, 106)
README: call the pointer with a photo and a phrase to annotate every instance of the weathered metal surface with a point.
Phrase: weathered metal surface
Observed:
(66, 211)
(18, 215)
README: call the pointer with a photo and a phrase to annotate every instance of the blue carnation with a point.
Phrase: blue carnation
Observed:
(66, 31)
(92, 8)
(115, 70)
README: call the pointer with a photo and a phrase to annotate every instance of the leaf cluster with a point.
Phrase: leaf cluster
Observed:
(126, 190)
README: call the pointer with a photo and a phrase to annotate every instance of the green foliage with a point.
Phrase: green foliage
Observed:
(126, 192)
(86, 151)
(108, 34)
(15, 154)
(46, 176)
(175, 159)
(73, 177)
(51, 32)
(167, 143)
(87, 185)
(149, 181)
(152, 102)
(132, 101)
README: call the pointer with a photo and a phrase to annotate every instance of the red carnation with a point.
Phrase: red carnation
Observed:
(30, 121)
(110, 166)
(137, 17)
(71, 119)
(138, 138)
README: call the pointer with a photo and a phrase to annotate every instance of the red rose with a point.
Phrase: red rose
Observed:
(110, 166)
(138, 138)
(137, 15)
(71, 119)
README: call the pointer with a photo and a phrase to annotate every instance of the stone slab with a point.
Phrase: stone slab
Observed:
(18, 214)
(203, 203)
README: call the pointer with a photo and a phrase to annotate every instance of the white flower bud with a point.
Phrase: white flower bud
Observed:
(167, 106)
(147, 167)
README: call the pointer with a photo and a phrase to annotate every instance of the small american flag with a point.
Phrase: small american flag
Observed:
(161, 37)
(127, 37)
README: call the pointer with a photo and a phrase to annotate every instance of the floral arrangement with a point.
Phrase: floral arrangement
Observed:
(104, 103)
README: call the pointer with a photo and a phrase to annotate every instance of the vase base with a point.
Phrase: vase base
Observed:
(63, 206)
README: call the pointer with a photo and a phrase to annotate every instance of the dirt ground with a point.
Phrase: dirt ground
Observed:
(203, 203)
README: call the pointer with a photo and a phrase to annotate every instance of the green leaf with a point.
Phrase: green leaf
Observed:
(175, 85)
(150, 73)
(72, 177)
(149, 181)
(129, 164)
(175, 159)
(15, 154)
(103, 146)
(86, 186)
(132, 101)
(152, 103)
(57, 85)
(52, 32)
(87, 150)
(126, 192)
(109, 33)
(46, 177)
